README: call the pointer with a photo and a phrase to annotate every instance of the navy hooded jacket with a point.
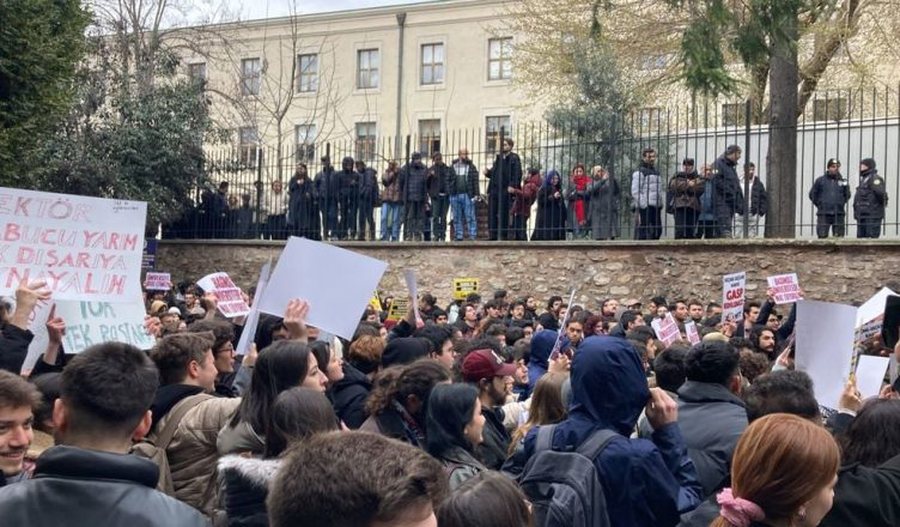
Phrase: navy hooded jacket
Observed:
(646, 483)
(539, 359)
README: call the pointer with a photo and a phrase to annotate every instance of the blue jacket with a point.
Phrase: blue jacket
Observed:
(539, 359)
(646, 483)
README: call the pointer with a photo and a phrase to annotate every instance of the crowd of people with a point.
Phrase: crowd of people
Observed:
(588, 203)
(493, 412)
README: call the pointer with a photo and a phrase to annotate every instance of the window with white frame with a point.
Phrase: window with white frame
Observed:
(429, 136)
(493, 126)
(367, 68)
(251, 71)
(432, 67)
(248, 145)
(500, 58)
(305, 141)
(307, 73)
(365, 141)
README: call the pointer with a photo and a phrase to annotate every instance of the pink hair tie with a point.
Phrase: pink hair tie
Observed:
(738, 511)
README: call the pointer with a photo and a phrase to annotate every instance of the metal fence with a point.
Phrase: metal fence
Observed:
(848, 126)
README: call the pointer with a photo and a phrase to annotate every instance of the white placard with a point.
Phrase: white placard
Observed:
(693, 335)
(85, 248)
(733, 289)
(824, 347)
(786, 286)
(667, 330)
(336, 282)
(157, 281)
(870, 373)
(248, 335)
(89, 323)
(873, 307)
(37, 324)
(229, 298)
(409, 275)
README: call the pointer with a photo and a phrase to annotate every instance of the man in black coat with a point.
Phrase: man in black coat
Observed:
(505, 173)
(89, 477)
(349, 199)
(728, 198)
(368, 196)
(758, 206)
(413, 193)
(439, 177)
(870, 201)
(830, 194)
(328, 185)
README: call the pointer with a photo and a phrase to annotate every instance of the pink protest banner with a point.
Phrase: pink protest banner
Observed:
(733, 296)
(230, 299)
(786, 286)
(85, 248)
(693, 336)
(158, 282)
(667, 329)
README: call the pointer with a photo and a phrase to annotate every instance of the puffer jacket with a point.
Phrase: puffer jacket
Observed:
(645, 483)
(830, 194)
(243, 487)
(240, 439)
(645, 187)
(349, 395)
(79, 487)
(192, 453)
(413, 186)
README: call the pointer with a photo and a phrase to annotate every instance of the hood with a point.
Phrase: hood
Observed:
(352, 376)
(168, 396)
(403, 350)
(541, 345)
(260, 472)
(608, 383)
(549, 177)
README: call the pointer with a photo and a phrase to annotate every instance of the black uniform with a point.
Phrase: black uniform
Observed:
(869, 203)
(830, 194)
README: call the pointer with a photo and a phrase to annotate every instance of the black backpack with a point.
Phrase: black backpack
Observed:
(564, 487)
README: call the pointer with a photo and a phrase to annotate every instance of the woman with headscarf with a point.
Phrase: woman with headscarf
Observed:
(577, 198)
(551, 210)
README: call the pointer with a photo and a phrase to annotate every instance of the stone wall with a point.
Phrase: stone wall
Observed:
(845, 271)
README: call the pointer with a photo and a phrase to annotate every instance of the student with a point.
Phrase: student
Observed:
(18, 399)
(89, 476)
(455, 426)
(489, 499)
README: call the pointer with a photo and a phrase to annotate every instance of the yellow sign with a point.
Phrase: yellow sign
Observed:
(462, 287)
(399, 308)
(375, 302)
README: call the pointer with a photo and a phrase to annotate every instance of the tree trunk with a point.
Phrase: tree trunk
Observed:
(782, 160)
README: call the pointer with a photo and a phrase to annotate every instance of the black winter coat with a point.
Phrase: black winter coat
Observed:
(328, 185)
(759, 198)
(412, 182)
(439, 180)
(78, 487)
(728, 198)
(830, 194)
(866, 496)
(14, 342)
(871, 196)
(349, 395)
(243, 488)
(471, 178)
(506, 172)
(368, 187)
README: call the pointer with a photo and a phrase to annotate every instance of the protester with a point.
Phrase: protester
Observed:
(484, 369)
(350, 392)
(283, 365)
(15, 335)
(359, 479)
(784, 472)
(298, 413)
(328, 361)
(89, 477)
(547, 407)
(18, 400)
(550, 223)
(455, 426)
(603, 196)
(488, 499)
(223, 353)
(398, 405)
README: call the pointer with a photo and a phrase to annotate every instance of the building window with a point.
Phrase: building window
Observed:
(733, 114)
(432, 64)
(429, 136)
(499, 59)
(367, 68)
(365, 142)
(250, 75)
(305, 135)
(248, 145)
(197, 72)
(493, 126)
(307, 73)
(830, 109)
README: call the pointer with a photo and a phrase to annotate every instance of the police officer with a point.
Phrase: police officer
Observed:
(870, 201)
(830, 194)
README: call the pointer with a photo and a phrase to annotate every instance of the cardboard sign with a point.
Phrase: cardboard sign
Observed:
(824, 347)
(870, 372)
(693, 335)
(230, 300)
(336, 282)
(85, 248)
(666, 329)
(733, 290)
(89, 323)
(158, 282)
(248, 335)
(398, 309)
(462, 287)
(786, 286)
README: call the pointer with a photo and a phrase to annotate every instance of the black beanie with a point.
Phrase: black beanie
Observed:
(868, 162)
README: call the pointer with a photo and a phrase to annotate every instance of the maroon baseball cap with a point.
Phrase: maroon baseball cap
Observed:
(485, 364)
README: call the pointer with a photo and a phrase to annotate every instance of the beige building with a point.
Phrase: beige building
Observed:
(358, 79)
